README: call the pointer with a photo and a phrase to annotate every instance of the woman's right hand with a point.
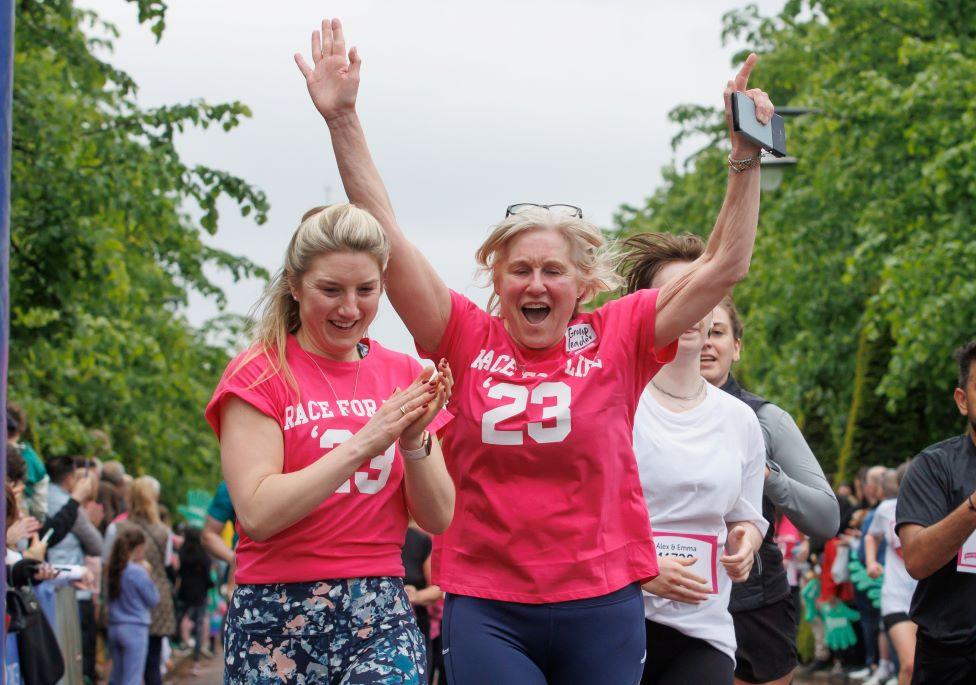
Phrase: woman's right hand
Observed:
(675, 581)
(399, 411)
(333, 80)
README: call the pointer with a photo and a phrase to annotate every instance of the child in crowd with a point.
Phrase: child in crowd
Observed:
(132, 595)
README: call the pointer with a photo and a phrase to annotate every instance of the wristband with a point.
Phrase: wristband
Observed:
(740, 165)
(421, 452)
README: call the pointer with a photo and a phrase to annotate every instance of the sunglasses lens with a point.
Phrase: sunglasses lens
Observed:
(521, 207)
(565, 211)
(561, 211)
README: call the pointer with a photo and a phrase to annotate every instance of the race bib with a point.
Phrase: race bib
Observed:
(966, 561)
(704, 548)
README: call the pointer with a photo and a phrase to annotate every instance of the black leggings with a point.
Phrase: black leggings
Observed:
(673, 658)
(154, 661)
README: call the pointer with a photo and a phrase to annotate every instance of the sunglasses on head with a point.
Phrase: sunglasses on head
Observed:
(555, 210)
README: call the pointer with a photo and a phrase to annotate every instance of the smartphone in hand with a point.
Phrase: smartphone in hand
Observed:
(771, 136)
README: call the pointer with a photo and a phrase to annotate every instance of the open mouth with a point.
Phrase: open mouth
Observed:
(344, 325)
(707, 359)
(535, 313)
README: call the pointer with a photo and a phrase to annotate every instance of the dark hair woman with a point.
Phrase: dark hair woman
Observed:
(194, 582)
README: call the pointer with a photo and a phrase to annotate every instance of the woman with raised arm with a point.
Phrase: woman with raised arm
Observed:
(326, 446)
(544, 560)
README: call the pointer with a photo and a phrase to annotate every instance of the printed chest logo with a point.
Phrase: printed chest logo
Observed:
(579, 337)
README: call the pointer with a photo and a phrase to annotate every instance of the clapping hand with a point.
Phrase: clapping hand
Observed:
(400, 411)
(413, 434)
(333, 78)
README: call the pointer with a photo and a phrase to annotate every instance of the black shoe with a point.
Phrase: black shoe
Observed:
(816, 666)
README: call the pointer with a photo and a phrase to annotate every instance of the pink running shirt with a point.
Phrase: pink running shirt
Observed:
(359, 530)
(549, 503)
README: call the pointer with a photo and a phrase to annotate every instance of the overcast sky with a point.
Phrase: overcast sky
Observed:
(468, 107)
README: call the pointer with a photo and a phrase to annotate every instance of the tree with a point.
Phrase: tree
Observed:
(861, 283)
(105, 251)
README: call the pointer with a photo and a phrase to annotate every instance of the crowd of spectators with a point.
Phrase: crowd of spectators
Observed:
(840, 583)
(99, 582)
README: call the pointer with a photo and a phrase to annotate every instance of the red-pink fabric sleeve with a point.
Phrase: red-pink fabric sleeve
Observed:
(466, 330)
(250, 383)
(630, 322)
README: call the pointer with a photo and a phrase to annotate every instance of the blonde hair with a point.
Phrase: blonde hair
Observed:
(322, 230)
(592, 255)
(144, 499)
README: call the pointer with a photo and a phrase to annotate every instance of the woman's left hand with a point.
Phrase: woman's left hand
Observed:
(413, 434)
(333, 80)
(739, 562)
(742, 147)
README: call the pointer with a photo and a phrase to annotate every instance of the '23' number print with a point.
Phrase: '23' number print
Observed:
(521, 397)
(365, 484)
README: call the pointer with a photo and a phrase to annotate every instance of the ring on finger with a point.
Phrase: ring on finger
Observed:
(403, 410)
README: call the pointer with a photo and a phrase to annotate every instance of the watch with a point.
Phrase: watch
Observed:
(421, 452)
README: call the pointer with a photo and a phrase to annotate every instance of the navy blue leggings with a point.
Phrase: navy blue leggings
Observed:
(598, 640)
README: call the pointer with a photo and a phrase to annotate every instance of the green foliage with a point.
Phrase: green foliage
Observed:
(861, 283)
(104, 254)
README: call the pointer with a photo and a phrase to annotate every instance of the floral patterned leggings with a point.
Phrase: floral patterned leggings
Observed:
(350, 631)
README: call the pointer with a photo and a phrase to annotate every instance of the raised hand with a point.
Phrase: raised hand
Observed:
(333, 80)
(741, 146)
(85, 488)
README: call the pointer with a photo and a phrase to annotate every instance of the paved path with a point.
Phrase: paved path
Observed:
(211, 671)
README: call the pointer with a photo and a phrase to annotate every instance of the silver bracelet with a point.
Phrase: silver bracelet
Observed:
(740, 165)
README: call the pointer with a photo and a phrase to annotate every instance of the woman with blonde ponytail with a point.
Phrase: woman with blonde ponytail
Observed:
(327, 447)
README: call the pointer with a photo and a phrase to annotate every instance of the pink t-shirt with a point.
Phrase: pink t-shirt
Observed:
(358, 530)
(549, 502)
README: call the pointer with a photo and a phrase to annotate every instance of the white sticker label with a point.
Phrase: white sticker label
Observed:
(966, 561)
(579, 336)
(704, 548)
